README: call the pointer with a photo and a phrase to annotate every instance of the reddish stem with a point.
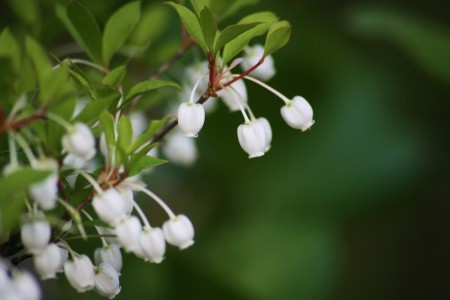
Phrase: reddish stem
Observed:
(260, 62)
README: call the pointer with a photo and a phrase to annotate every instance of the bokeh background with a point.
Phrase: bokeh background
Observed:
(356, 208)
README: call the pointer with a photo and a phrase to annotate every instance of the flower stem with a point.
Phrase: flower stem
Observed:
(59, 120)
(141, 215)
(26, 148)
(247, 121)
(153, 196)
(191, 98)
(92, 181)
(270, 89)
(104, 243)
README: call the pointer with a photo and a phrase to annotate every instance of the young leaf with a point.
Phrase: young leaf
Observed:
(10, 49)
(149, 85)
(94, 108)
(39, 58)
(143, 162)
(277, 37)
(198, 5)
(209, 27)
(81, 24)
(107, 124)
(119, 27)
(231, 32)
(125, 132)
(235, 46)
(115, 77)
(191, 23)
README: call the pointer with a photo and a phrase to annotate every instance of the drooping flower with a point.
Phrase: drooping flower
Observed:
(80, 273)
(107, 280)
(234, 98)
(128, 232)
(252, 56)
(50, 261)
(26, 286)
(35, 235)
(191, 117)
(179, 232)
(252, 139)
(45, 192)
(267, 131)
(109, 254)
(80, 141)
(153, 244)
(109, 206)
(298, 113)
(180, 149)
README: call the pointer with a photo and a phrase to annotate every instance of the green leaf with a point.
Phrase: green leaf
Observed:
(198, 5)
(153, 23)
(277, 37)
(10, 49)
(107, 124)
(119, 27)
(125, 132)
(191, 23)
(80, 76)
(209, 27)
(40, 60)
(149, 85)
(231, 32)
(55, 131)
(235, 46)
(20, 180)
(96, 107)
(143, 162)
(115, 77)
(148, 134)
(81, 24)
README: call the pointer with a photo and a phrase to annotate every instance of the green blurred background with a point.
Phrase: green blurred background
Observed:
(356, 208)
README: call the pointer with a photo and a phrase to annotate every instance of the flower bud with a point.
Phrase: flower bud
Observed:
(180, 150)
(109, 206)
(179, 232)
(109, 254)
(107, 281)
(128, 233)
(191, 117)
(298, 113)
(45, 191)
(80, 141)
(253, 55)
(35, 235)
(153, 244)
(50, 261)
(26, 286)
(80, 273)
(267, 132)
(231, 99)
(252, 138)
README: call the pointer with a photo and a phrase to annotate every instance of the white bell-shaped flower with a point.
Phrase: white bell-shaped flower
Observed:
(50, 261)
(179, 232)
(26, 286)
(153, 244)
(191, 117)
(129, 233)
(35, 235)
(128, 199)
(79, 141)
(231, 99)
(298, 113)
(109, 206)
(252, 139)
(107, 281)
(252, 56)
(264, 123)
(180, 149)
(45, 192)
(109, 254)
(80, 273)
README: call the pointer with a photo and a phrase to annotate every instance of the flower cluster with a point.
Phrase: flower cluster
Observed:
(255, 135)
